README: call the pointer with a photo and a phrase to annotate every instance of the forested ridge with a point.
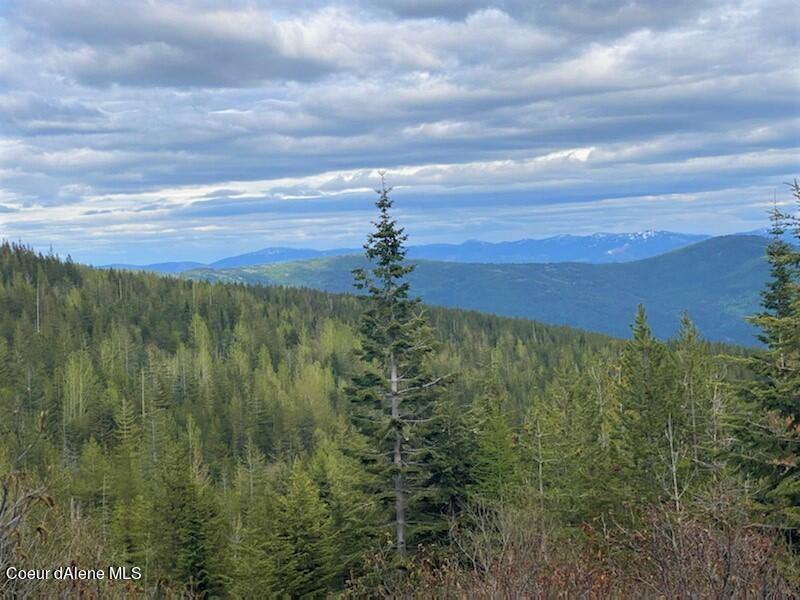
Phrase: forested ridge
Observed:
(716, 280)
(230, 441)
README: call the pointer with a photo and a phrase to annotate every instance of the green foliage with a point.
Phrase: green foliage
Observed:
(244, 380)
(304, 540)
(452, 455)
(188, 531)
(289, 542)
(716, 280)
(393, 396)
(341, 481)
(205, 432)
(648, 406)
(496, 471)
(771, 434)
(130, 532)
(93, 478)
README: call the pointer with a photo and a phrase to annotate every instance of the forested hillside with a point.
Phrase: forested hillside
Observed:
(717, 281)
(234, 441)
(595, 248)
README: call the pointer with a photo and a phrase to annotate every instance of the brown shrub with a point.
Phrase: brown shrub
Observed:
(507, 553)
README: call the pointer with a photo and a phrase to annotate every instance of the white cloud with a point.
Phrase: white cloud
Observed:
(178, 118)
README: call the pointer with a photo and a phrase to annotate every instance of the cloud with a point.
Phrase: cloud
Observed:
(610, 17)
(197, 120)
(424, 9)
(592, 17)
(181, 45)
(162, 44)
(37, 115)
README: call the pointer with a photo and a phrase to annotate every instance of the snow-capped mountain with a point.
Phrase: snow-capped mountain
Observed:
(595, 248)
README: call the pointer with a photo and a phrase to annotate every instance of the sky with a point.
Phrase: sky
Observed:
(150, 130)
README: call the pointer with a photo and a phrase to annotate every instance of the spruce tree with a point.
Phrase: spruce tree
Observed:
(288, 545)
(649, 409)
(7, 379)
(187, 527)
(341, 482)
(496, 470)
(128, 532)
(393, 394)
(254, 549)
(554, 442)
(453, 454)
(771, 440)
(304, 545)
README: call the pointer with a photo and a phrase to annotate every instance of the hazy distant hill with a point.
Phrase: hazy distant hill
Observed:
(716, 280)
(277, 255)
(597, 248)
(165, 267)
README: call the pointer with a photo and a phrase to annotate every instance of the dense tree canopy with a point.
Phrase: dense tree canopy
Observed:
(240, 441)
(771, 439)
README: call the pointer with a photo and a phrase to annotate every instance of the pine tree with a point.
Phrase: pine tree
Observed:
(394, 393)
(6, 372)
(341, 482)
(254, 563)
(129, 532)
(93, 477)
(496, 470)
(80, 388)
(554, 441)
(707, 419)
(777, 297)
(649, 410)
(186, 527)
(125, 419)
(304, 543)
(453, 451)
(771, 441)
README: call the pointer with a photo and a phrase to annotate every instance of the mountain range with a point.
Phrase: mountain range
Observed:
(717, 281)
(596, 248)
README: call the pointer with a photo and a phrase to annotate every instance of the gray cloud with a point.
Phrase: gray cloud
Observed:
(249, 123)
(34, 114)
(588, 17)
(161, 44)
(609, 17)
(424, 9)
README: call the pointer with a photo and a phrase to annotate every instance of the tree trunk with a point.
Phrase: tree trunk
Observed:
(399, 492)
(38, 310)
(673, 464)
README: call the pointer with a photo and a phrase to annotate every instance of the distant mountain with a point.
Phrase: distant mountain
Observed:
(267, 256)
(165, 267)
(264, 256)
(717, 281)
(597, 248)
(788, 236)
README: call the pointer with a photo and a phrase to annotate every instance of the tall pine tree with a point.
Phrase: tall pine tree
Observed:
(393, 394)
(772, 440)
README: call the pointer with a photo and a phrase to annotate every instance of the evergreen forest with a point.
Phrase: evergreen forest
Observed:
(251, 442)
